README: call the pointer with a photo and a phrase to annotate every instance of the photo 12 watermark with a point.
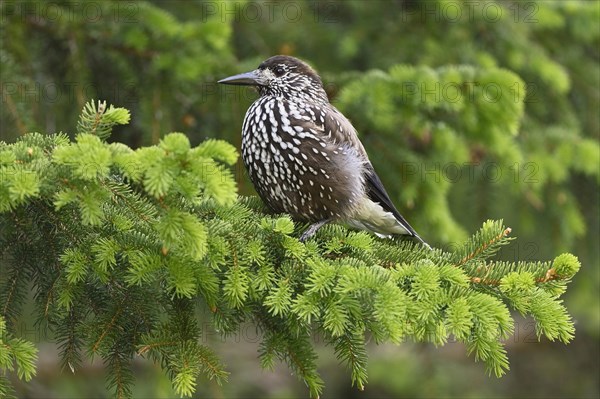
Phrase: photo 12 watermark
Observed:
(466, 92)
(270, 11)
(469, 11)
(49, 12)
(470, 172)
(52, 92)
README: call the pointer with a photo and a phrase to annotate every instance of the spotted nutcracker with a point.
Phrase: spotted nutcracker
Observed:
(304, 157)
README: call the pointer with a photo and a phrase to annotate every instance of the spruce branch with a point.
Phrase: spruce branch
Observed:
(351, 349)
(11, 288)
(70, 347)
(15, 354)
(106, 330)
(98, 119)
(155, 345)
(100, 228)
(481, 245)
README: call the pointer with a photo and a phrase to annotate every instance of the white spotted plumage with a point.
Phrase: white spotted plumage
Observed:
(304, 157)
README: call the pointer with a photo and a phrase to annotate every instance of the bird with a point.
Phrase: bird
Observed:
(304, 157)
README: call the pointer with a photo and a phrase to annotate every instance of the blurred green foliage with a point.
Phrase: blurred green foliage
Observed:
(408, 73)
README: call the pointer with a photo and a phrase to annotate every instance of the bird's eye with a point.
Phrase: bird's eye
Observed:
(279, 71)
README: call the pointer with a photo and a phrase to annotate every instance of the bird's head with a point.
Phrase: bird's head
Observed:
(281, 75)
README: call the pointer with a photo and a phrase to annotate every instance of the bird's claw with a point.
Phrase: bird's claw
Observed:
(312, 229)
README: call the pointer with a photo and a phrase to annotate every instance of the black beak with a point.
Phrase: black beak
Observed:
(244, 79)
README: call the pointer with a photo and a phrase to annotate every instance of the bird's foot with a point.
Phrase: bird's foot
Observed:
(312, 229)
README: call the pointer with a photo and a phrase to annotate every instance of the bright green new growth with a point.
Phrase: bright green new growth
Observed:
(15, 354)
(125, 246)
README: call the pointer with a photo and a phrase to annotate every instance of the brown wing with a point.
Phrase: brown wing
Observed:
(339, 129)
(342, 132)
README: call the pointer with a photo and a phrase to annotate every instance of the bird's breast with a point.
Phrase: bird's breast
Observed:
(293, 165)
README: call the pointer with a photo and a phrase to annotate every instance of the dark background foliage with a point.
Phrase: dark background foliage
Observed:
(380, 61)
